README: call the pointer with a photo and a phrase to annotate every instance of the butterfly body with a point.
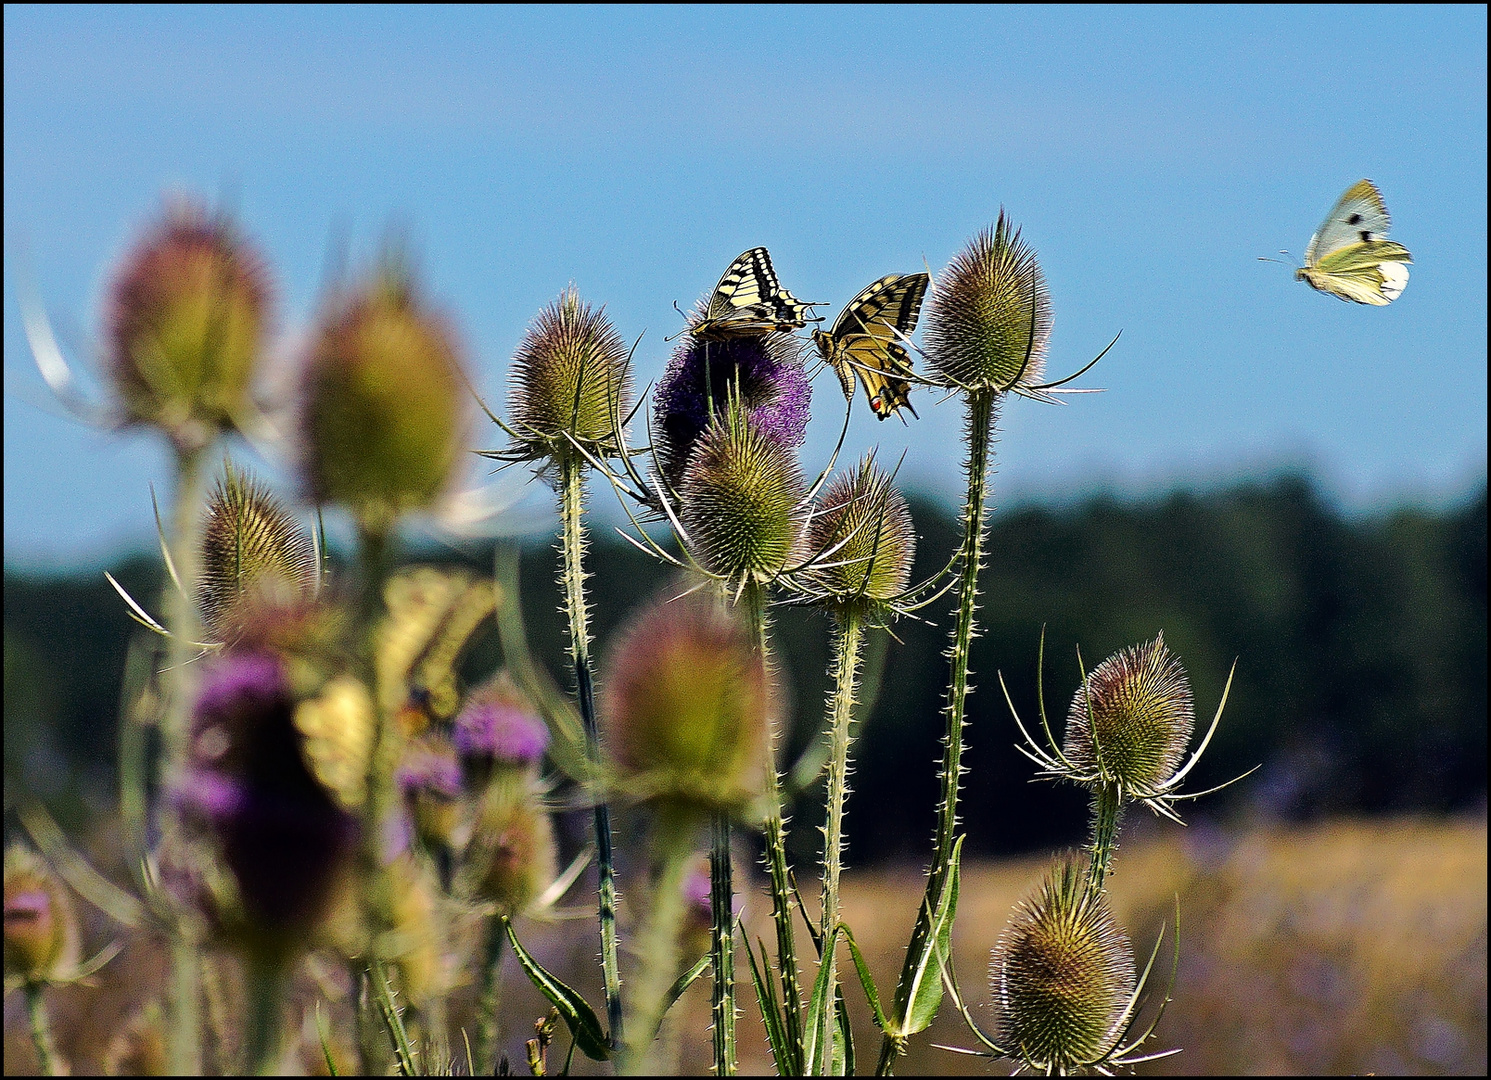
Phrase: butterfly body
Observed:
(1351, 257)
(868, 341)
(749, 301)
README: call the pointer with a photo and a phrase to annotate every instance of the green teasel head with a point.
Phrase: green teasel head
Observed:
(742, 501)
(186, 317)
(41, 927)
(1062, 976)
(384, 402)
(686, 707)
(511, 858)
(570, 381)
(861, 539)
(254, 555)
(1132, 718)
(989, 318)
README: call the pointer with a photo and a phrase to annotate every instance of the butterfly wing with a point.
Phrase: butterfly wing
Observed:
(1367, 273)
(749, 300)
(866, 340)
(1359, 217)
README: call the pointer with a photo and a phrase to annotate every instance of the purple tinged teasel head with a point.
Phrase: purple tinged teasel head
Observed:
(767, 374)
(41, 928)
(498, 726)
(429, 778)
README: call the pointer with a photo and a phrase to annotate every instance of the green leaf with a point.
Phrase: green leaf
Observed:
(818, 1050)
(577, 1015)
(682, 983)
(403, 1051)
(866, 980)
(923, 996)
(844, 1044)
(771, 1010)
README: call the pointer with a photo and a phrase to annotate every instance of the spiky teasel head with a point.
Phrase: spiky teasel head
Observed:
(862, 541)
(383, 407)
(429, 779)
(186, 316)
(686, 707)
(989, 317)
(1062, 976)
(511, 856)
(253, 553)
(1131, 720)
(764, 373)
(41, 927)
(742, 501)
(570, 382)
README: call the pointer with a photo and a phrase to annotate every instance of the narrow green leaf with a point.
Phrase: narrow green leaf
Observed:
(811, 923)
(866, 980)
(576, 1013)
(818, 1049)
(844, 1044)
(925, 996)
(771, 1010)
(682, 983)
(323, 1033)
(403, 1051)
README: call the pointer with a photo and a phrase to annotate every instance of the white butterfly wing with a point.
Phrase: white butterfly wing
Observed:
(1359, 215)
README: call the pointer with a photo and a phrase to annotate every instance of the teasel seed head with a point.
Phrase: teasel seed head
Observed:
(765, 373)
(253, 553)
(498, 729)
(512, 849)
(742, 498)
(186, 318)
(687, 706)
(41, 927)
(384, 404)
(1132, 718)
(1061, 975)
(429, 778)
(570, 381)
(863, 536)
(989, 318)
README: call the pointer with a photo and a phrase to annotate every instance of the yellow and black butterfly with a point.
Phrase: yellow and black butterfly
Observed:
(867, 340)
(749, 300)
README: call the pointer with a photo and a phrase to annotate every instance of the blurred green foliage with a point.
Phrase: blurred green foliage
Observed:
(1361, 648)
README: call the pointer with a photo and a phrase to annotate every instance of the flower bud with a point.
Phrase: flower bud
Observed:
(742, 501)
(989, 318)
(497, 728)
(570, 380)
(186, 316)
(253, 554)
(687, 707)
(41, 929)
(1132, 718)
(765, 374)
(863, 536)
(1061, 975)
(383, 413)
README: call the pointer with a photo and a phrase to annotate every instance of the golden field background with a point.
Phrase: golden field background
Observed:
(1349, 947)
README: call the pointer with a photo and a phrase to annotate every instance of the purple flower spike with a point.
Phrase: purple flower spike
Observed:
(773, 387)
(497, 725)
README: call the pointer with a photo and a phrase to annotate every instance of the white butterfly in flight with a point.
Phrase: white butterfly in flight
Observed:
(1350, 255)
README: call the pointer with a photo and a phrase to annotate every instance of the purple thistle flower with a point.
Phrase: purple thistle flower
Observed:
(773, 387)
(429, 770)
(497, 725)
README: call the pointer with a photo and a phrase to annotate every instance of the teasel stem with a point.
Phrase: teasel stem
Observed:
(41, 1031)
(489, 995)
(722, 946)
(571, 512)
(267, 985)
(184, 1040)
(373, 551)
(1107, 815)
(980, 432)
(846, 670)
(776, 853)
(673, 841)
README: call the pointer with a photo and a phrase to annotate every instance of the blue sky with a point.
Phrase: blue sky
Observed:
(1151, 156)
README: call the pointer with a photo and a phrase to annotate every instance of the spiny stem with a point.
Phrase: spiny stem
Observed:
(980, 429)
(572, 508)
(1107, 813)
(846, 670)
(184, 1039)
(776, 853)
(722, 946)
(489, 995)
(41, 1032)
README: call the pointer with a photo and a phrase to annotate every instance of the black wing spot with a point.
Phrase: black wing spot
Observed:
(1354, 219)
(1366, 236)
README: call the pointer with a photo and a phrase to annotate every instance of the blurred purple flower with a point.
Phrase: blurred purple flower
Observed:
(429, 770)
(496, 725)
